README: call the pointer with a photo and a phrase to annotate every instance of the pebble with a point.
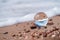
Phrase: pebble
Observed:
(53, 35)
(5, 33)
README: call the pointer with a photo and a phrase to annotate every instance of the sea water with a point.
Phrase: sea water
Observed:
(17, 11)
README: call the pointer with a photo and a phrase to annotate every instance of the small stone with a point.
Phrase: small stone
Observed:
(26, 30)
(44, 34)
(33, 34)
(45, 27)
(48, 32)
(20, 38)
(50, 19)
(26, 37)
(19, 32)
(38, 36)
(56, 28)
(50, 23)
(33, 27)
(20, 35)
(53, 35)
(13, 35)
(5, 33)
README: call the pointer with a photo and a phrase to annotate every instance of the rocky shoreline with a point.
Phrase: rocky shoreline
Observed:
(29, 31)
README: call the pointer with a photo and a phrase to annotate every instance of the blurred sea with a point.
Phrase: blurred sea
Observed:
(14, 11)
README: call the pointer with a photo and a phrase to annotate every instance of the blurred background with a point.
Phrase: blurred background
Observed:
(19, 8)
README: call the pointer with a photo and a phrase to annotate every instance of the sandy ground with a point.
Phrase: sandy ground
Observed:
(29, 31)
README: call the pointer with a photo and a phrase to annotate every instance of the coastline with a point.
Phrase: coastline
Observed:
(27, 29)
